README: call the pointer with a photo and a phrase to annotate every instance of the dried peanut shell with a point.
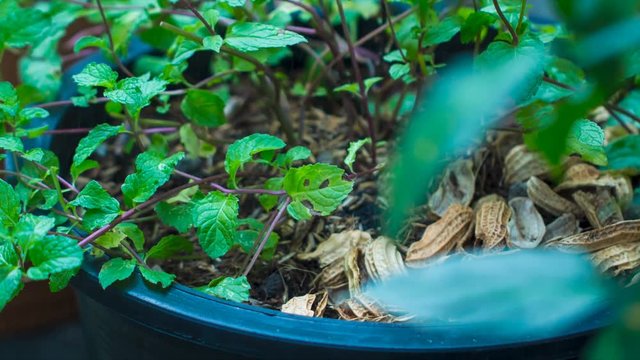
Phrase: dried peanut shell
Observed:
(600, 208)
(545, 198)
(619, 233)
(565, 225)
(520, 164)
(492, 218)
(456, 187)
(526, 227)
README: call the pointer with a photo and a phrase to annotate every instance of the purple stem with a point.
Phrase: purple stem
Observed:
(231, 191)
(266, 235)
(86, 130)
(64, 182)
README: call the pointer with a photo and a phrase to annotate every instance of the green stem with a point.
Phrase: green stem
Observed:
(521, 17)
(506, 23)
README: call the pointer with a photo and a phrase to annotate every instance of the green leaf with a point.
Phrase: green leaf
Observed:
(248, 238)
(215, 218)
(90, 143)
(394, 56)
(95, 74)
(178, 216)
(354, 146)
(294, 154)
(169, 246)
(203, 108)
(213, 43)
(319, 184)
(53, 254)
(255, 36)
(298, 211)
(354, 88)
(114, 270)
(195, 146)
(157, 277)
(31, 113)
(9, 205)
(242, 151)
(624, 154)
(234, 3)
(100, 207)
(31, 228)
(529, 50)
(111, 239)
(587, 139)
(228, 288)
(133, 232)
(89, 41)
(268, 201)
(60, 280)
(10, 283)
(474, 24)
(152, 171)
(396, 71)
(441, 32)
(136, 92)
(11, 143)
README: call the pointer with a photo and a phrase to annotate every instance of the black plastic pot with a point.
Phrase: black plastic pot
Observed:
(131, 320)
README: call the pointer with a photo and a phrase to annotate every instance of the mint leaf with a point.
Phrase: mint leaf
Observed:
(152, 171)
(267, 201)
(254, 36)
(319, 184)
(354, 146)
(529, 50)
(60, 280)
(89, 41)
(169, 246)
(178, 216)
(133, 232)
(474, 24)
(10, 283)
(354, 88)
(111, 239)
(95, 74)
(31, 113)
(442, 31)
(114, 270)
(11, 143)
(195, 146)
(52, 254)
(396, 71)
(298, 211)
(243, 151)
(136, 92)
(100, 207)
(158, 277)
(294, 154)
(248, 238)
(228, 288)
(90, 143)
(234, 3)
(587, 139)
(31, 228)
(213, 43)
(623, 154)
(9, 205)
(216, 218)
(203, 108)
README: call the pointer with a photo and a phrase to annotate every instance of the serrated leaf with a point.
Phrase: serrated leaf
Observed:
(321, 185)
(95, 74)
(587, 139)
(396, 71)
(474, 24)
(111, 239)
(100, 207)
(203, 108)
(133, 232)
(31, 228)
(157, 277)
(394, 56)
(442, 31)
(213, 43)
(352, 151)
(114, 270)
(10, 283)
(152, 171)
(242, 151)
(90, 143)
(228, 288)
(216, 218)
(195, 146)
(180, 216)
(624, 154)
(255, 36)
(233, 3)
(354, 88)
(247, 239)
(11, 143)
(31, 113)
(53, 254)
(136, 92)
(298, 211)
(529, 49)
(296, 153)
(9, 205)
(169, 246)
(59, 281)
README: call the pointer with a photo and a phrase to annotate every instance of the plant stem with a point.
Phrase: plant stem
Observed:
(64, 182)
(266, 235)
(394, 37)
(112, 48)
(147, 204)
(521, 16)
(134, 254)
(231, 191)
(514, 34)
(199, 16)
(363, 90)
(617, 117)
